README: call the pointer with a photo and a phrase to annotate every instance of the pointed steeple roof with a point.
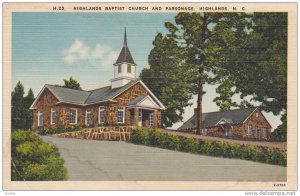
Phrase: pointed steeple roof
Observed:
(125, 55)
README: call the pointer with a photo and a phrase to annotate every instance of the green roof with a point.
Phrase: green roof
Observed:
(68, 95)
(106, 93)
(211, 119)
(82, 97)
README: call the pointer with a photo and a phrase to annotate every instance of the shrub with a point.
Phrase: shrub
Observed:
(155, 138)
(35, 160)
(139, 136)
(207, 147)
(279, 135)
(58, 130)
(188, 144)
(244, 153)
(161, 139)
(171, 142)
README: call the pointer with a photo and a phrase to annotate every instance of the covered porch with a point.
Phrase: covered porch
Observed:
(144, 112)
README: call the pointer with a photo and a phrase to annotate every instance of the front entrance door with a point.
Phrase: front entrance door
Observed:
(228, 130)
(140, 117)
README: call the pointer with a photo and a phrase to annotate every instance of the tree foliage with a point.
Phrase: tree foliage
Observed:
(280, 133)
(258, 65)
(197, 39)
(72, 84)
(33, 159)
(21, 116)
(168, 78)
(244, 54)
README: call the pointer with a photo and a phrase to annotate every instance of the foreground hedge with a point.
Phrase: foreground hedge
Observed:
(161, 139)
(35, 160)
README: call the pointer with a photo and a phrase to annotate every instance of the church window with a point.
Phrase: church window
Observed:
(128, 68)
(119, 68)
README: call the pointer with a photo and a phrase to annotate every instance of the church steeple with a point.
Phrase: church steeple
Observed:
(125, 38)
(125, 55)
(125, 67)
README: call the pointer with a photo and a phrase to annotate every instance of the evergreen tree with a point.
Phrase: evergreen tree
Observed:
(72, 84)
(245, 54)
(28, 100)
(199, 38)
(21, 115)
(18, 93)
(168, 79)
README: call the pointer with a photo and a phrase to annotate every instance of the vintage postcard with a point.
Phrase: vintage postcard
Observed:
(150, 96)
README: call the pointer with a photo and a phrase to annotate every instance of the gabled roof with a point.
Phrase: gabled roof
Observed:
(144, 101)
(125, 55)
(213, 118)
(137, 100)
(81, 97)
(68, 95)
(107, 93)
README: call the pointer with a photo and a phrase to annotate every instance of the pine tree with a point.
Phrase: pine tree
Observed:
(198, 38)
(21, 116)
(72, 84)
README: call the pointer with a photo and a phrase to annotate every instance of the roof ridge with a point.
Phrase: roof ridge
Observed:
(230, 110)
(56, 85)
(100, 88)
(92, 92)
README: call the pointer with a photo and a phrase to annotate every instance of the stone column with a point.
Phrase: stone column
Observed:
(136, 117)
(155, 119)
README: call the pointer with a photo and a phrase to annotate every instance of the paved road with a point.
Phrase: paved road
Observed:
(90, 160)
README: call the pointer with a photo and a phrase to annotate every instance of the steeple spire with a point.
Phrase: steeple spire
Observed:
(124, 68)
(125, 38)
(125, 56)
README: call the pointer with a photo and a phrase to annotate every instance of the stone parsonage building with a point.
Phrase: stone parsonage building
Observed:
(247, 123)
(126, 102)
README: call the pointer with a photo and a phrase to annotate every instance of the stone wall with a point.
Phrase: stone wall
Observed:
(256, 121)
(121, 133)
(44, 104)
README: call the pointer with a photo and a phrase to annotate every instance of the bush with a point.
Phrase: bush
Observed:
(279, 135)
(188, 144)
(156, 138)
(161, 139)
(171, 142)
(35, 160)
(140, 136)
(58, 130)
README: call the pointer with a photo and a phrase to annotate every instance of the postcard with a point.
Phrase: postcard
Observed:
(150, 96)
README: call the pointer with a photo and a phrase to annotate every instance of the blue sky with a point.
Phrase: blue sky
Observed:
(50, 47)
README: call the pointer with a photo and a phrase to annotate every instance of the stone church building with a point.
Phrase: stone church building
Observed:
(126, 102)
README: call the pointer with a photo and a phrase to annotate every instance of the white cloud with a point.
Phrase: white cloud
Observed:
(100, 50)
(79, 52)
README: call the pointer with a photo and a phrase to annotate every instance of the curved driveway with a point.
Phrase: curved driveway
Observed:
(88, 160)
